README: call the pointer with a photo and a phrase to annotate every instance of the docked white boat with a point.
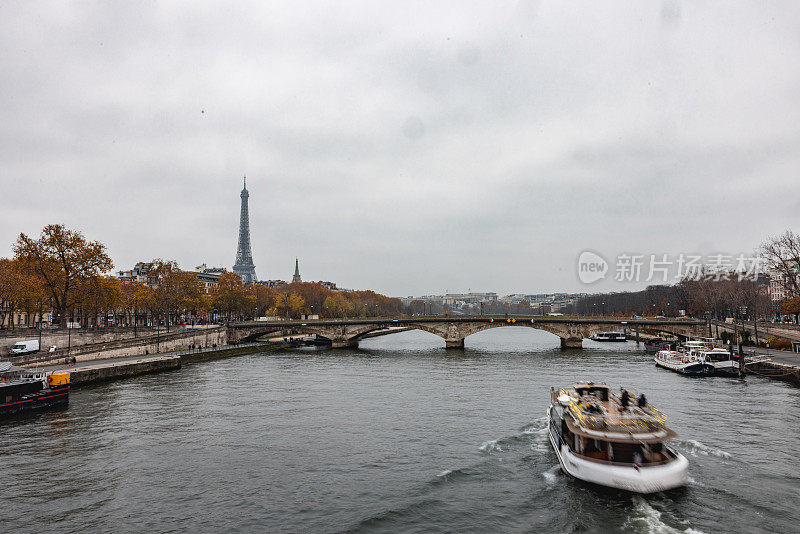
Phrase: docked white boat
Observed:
(723, 361)
(600, 438)
(684, 362)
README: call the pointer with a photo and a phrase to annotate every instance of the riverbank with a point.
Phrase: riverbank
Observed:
(102, 370)
(781, 365)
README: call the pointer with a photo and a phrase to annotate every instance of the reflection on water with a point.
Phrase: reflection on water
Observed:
(399, 435)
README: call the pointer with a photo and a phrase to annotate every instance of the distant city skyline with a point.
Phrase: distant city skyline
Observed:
(408, 151)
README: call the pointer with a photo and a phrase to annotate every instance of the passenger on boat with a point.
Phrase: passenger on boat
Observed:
(625, 399)
(642, 401)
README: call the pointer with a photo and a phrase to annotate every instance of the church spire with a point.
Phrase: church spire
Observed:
(296, 277)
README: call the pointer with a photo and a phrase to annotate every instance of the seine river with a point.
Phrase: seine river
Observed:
(399, 436)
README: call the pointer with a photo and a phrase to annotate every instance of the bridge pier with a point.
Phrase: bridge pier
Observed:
(571, 343)
(344, 343)
(454, 343)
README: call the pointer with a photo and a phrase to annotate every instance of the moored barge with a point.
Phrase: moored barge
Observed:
(684, 362)
(22, 390)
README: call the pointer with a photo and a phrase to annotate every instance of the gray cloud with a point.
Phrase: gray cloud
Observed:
(407, 148)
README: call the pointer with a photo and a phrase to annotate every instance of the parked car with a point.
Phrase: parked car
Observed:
(25, 347)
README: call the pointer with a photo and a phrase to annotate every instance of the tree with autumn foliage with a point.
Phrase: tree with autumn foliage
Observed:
(337, 305)
(791, 307)
(100, 295)
(263, 300)
(132, 300)
(11, 289)
(175, 291)
(229, 295)
(62, 261)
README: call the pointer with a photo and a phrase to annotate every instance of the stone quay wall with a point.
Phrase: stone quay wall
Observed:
(122, 348)
(99, 373)
(80, 336)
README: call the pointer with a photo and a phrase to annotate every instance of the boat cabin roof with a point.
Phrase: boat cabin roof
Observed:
(621, 437)
(695, 343)
(595, 413)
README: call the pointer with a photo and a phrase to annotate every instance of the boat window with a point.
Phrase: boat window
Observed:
(596, 449)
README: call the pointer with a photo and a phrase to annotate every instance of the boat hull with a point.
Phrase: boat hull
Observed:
(648, 479)
(726, 367)
(652, 349)
(689, 368)
(40, 400)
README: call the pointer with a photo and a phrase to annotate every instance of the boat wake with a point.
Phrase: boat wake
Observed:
(536, 429)
(646, 518)
(539, 426)
(694, 448)
(450, 475)
(490, 446)
(693, 482)
(551, 474)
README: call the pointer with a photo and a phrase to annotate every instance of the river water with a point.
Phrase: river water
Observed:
(398, 436)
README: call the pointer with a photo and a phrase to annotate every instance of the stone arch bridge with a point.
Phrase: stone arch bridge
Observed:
(453, 329)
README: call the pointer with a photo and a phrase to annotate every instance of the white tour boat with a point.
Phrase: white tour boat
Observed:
(600, 438)
(610, 336)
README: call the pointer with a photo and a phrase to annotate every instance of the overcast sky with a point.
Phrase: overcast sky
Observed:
(405, 147)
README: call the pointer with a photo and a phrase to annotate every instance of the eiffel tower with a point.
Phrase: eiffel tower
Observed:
(244, 258)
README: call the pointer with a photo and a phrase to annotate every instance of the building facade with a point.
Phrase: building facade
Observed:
(780, 287)
(209, 276)
(141, 272)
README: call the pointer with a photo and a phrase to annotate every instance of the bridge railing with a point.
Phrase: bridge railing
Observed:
(511, 319)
